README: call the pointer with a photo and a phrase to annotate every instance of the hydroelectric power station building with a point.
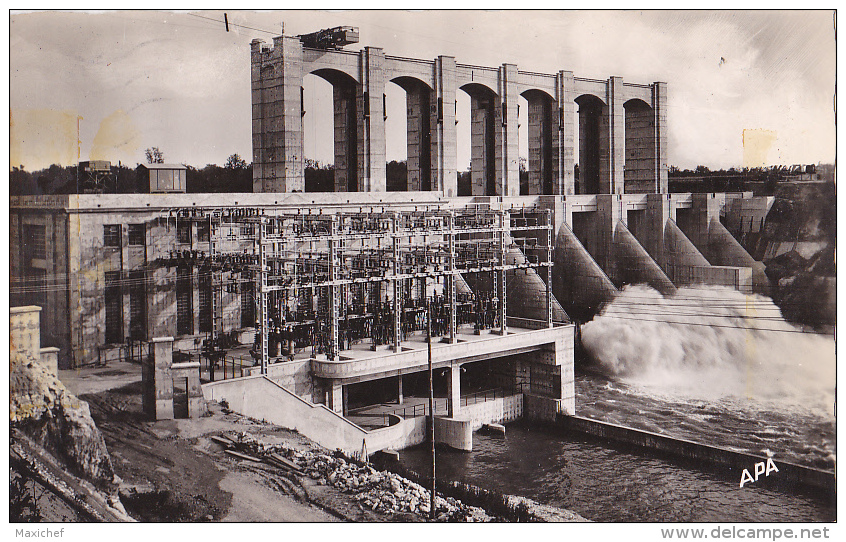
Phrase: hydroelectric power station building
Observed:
(331, 291)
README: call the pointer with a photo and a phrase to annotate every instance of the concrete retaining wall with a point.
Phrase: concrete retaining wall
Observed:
(292, 375)
(261, 398)
(787, 472)
(541, 409)
(499, 410)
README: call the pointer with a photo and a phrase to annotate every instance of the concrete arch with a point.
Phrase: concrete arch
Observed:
(478, 90)
(335, 76)
(407, 83)
(347, 62)
(587, 97)
(536, 94)
(636, 103)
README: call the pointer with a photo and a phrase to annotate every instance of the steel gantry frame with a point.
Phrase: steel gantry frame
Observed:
(288, 253)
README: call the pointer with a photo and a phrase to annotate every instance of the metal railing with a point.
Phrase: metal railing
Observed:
(230, 366)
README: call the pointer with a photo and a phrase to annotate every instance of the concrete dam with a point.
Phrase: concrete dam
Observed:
(310, 310)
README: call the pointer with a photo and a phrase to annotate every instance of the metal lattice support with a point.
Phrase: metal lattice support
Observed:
(549, 267)
(397, 286)
(328, 254)
(261, 283)
(505, 222)
(333, 246)
(451, 278)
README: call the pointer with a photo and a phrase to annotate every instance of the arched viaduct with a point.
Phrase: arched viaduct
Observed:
(622, 127)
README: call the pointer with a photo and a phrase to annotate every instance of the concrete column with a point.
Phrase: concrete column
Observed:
(454, 391)
(346, 155)
(652, 236)
(609, 211)
(659, 109)
(612, 139)
(640, 148)
(541, 129)
(563, 131)
(50, 359)
(482, 120)
(371, 121)
(157, 378)
(507, 160)
(444, 138)
(418, 138)
(399, 390)
(25, 330)
(336, 398)
(277, 78)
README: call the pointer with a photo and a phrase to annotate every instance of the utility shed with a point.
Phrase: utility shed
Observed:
(162, 178)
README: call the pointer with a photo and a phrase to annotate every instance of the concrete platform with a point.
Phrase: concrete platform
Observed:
(361, 363)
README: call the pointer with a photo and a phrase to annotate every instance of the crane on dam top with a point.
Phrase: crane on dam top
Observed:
(330, 38)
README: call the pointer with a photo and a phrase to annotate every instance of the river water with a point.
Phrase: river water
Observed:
(712, 366)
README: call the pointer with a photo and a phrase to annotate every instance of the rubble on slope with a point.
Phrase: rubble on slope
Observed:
(380, 491)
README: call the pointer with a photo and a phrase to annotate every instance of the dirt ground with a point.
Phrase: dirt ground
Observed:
(172, 471)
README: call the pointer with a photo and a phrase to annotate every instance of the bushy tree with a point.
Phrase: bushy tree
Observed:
(154, 155)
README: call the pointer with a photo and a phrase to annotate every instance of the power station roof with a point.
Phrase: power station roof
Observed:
(164, 166)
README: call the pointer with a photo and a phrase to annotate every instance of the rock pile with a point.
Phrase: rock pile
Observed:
(380, 491)
(42, 408)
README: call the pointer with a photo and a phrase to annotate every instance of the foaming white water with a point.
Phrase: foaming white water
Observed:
(710, 344)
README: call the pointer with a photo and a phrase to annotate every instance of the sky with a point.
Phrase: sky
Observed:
(124, 81)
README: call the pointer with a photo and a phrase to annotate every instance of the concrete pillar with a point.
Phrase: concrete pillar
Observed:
(336, 397)
(658, 208)
(157, 378)
(507, 141)
(609, 211)
(659, 110)
(540, 117)
(454, 391)
(444, 138)
(371, 121)
(612, 139)
(50, 359)
(277, 78)
(418, 138)
(640, 148)
(25, 330)
(593, 147)
(346, 154)
(563, 130)
(399, 390)
(482, 164)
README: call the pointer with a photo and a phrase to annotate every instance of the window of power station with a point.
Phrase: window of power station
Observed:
(137, 305)
(35, 240)
(183, 233)
(137, 234)
(114, 307)
(111, 235)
